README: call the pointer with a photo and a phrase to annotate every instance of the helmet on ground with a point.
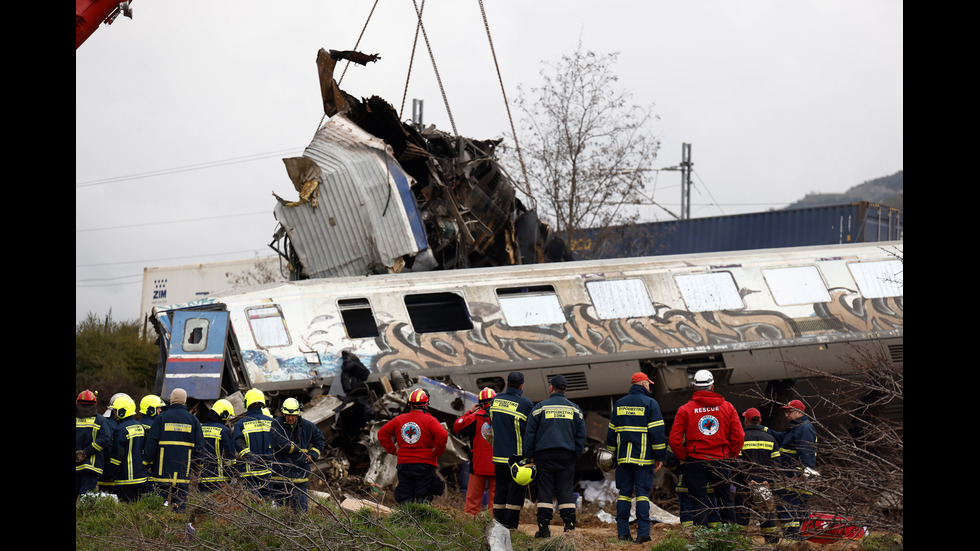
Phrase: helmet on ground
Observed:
(521, 471)
(151, 405)
(224, 409)
(124, 406)
(486, 395)
(290, 406)
(704, 378)
(86, 397)
(605, 460)
(254, 396)
(418, 397)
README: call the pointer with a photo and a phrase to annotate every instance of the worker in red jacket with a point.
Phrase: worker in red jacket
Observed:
(475, 424)
(418, 440)
(705, 435)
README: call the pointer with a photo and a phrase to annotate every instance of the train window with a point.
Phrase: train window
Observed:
(709, 292)
(358, 318)
(195, 335)
(878, 279)
(436, 312)
(796, 285)
(268, 327)
(534, 305)
(620, 298)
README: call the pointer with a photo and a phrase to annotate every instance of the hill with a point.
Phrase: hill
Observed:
(887, 190)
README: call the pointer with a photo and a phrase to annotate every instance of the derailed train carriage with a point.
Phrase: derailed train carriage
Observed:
(757, 319)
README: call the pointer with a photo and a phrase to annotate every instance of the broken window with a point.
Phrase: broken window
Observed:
(620, 298)
(196, 335)
(268, 327)
(358, 318)
(796, 285)
(709, 292)
(436, 312)
(534, 305)
(878, 279)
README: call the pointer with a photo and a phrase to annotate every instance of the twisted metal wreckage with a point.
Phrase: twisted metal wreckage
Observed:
(377, 195)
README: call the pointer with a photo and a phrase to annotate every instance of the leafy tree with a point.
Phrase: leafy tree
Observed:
(111, 356)
(586, 146)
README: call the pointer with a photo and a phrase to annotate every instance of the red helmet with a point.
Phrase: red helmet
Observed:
(418, 397)
(86, 397)
(486, 395)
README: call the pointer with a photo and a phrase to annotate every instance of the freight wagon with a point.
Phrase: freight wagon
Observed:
(751, 317)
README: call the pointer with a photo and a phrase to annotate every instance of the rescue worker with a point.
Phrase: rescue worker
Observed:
(705, 435)
(417, 439)
(296, 443)
(798, 457)
(93, 435)
(174, 442)
(754, 472)
(636, 436)
(218, 459)
(253, 442)
(555, 439)
(150, 406)
(105, 481)
(508, 419)
(126, 469)
(673, 465)
(475, 425)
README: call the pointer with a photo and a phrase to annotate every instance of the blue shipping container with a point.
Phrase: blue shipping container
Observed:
(824, 225)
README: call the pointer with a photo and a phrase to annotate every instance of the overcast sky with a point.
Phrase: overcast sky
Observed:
(183, 113)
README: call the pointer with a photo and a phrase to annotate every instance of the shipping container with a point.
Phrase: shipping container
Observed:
(861, 222)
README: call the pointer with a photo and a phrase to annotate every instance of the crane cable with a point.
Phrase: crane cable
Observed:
(432, 56)
(517, 146)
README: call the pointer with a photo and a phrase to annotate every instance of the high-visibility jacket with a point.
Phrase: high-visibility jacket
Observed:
(126, 459)
(92, 435)
(760, 452)
(636, 429)
(798, 446)
(253, 440)
(555, 424)
(174, 442)
(291, 445)
(508, 417)
(218, 459)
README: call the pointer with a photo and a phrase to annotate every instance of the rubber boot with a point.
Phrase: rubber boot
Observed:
(543, 530)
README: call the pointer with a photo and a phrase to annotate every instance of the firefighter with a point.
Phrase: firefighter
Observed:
(705, 435)
(798, 458)
(296, 443)
(555, 438)
(508, 419)
(150, 406)
(106, 483)
(475, 425)
(93, 435)
(636, 437)
(218, 459)
(126, 468)
(253, 442)
(417, 439)
(753, 476)
(174, 443)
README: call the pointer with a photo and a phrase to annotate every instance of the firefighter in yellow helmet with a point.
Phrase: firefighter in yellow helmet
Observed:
(126, 469)
(92, 435)
(297, 443)
(254, 444)
(219, 455)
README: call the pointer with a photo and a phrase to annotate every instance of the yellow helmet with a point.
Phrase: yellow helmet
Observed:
(151, 405)
(254, 396)
(124, 406)
(224, 409)
(290, 406)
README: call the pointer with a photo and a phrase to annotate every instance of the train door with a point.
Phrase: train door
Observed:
(194, 359)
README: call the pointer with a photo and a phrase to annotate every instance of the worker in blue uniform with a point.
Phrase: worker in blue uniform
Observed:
(296, 443)
(754, 474)
(508, 419)
(93, 436)
(126, 469)
(555, 439)
(218, 459)
(637, 438)
(254, 444)
(174, 443)
(798, 460)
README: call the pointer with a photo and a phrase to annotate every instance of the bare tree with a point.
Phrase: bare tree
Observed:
(586, 145)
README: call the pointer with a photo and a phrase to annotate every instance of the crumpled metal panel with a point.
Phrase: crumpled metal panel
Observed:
(366, 219)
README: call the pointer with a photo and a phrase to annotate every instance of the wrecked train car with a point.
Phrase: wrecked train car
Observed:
(760, 317)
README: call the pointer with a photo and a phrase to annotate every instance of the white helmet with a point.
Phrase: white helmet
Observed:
(703, 378)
